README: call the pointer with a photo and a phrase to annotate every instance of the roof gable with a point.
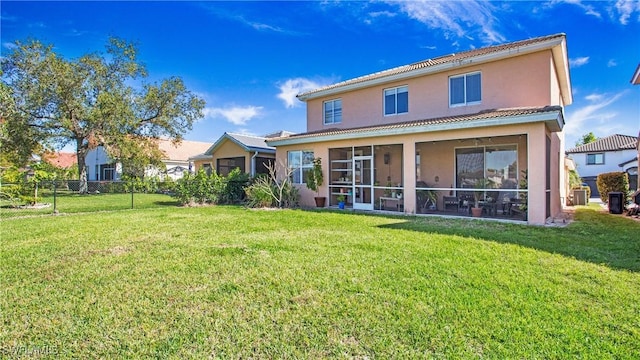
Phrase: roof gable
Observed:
(556, 43)
(614, 142)
(246, 142)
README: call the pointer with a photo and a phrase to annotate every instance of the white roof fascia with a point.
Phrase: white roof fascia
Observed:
(561, 63)
(554, 117)
(479, 59)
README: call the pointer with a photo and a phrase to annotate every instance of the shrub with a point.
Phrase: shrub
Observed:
(612, 182)
(232, 187)
(198, 189)
(281, 191)
(259, 192)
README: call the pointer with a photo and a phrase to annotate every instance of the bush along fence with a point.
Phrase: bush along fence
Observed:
(62, 196)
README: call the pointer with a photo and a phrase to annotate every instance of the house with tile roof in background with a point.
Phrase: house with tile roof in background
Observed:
(612, 153)
(483, 126)
(100, 167)
(249, 153)
(61, 160)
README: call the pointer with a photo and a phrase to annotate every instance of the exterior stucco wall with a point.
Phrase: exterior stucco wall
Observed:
(504, 85)
(198, 164)
(439, 160)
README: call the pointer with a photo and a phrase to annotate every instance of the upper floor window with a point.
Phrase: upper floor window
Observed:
(333, 112)
(300, 163)
(396, 100)
(465, 89)
(595, 159)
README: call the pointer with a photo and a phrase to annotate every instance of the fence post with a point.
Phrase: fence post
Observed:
(131, 194)
(55, 187)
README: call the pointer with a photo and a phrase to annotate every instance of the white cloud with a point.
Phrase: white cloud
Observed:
(591, 116)
(594, 97)
(236, 115)
(627, 8)
(455, 17)
(587, 8)
(245, 131)
(577, 62)
(292, 87)
(612, 63)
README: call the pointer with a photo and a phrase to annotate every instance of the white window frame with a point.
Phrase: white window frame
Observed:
(465, 102)
(595, 154)
(333, 112)
(302, 167)
(384, 100)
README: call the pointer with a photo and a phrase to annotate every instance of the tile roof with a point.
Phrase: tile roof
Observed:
(252, 142)
(248, 142)
(182, 151)
(482, 115)
(62, 160)
(435, 61)
(614, 142)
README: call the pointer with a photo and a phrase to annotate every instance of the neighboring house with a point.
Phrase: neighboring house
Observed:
(102, 168)
(249, 153)
(635, 80)
(393, 139)
(611, 153)
(61, 160)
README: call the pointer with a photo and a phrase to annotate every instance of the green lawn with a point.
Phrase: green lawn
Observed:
(226, 282)
(69, 202)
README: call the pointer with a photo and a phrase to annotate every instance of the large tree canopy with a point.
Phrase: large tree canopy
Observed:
(97, 99)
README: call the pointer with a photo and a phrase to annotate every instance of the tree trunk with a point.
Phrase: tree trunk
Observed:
(81, 153)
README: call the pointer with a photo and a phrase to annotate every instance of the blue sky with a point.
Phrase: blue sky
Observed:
(248, 60)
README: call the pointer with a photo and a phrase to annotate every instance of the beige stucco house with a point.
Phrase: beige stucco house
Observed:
(249, 153)
(433, 136)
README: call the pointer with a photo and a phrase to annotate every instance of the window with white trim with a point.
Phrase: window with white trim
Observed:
(465, 89)
(396, 100)
(300, 162)
(333, 111)
(595, 159)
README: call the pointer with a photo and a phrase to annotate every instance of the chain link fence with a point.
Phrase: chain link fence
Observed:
(63, 196)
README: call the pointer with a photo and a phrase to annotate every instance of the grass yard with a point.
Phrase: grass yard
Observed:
(68, 202)
(226, 282)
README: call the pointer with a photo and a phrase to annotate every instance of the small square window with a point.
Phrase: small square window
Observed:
(595, 159)
(396, 100)
(333, 112)
(465, 89)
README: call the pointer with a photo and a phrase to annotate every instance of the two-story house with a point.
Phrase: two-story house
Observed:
(443, 134)
(612, 153)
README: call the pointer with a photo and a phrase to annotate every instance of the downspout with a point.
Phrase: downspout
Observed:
(253, 164)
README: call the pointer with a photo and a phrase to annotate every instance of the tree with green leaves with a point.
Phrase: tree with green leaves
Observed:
(89, 102)
(586, 139)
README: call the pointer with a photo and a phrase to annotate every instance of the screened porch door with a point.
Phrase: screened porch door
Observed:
(363, 182)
